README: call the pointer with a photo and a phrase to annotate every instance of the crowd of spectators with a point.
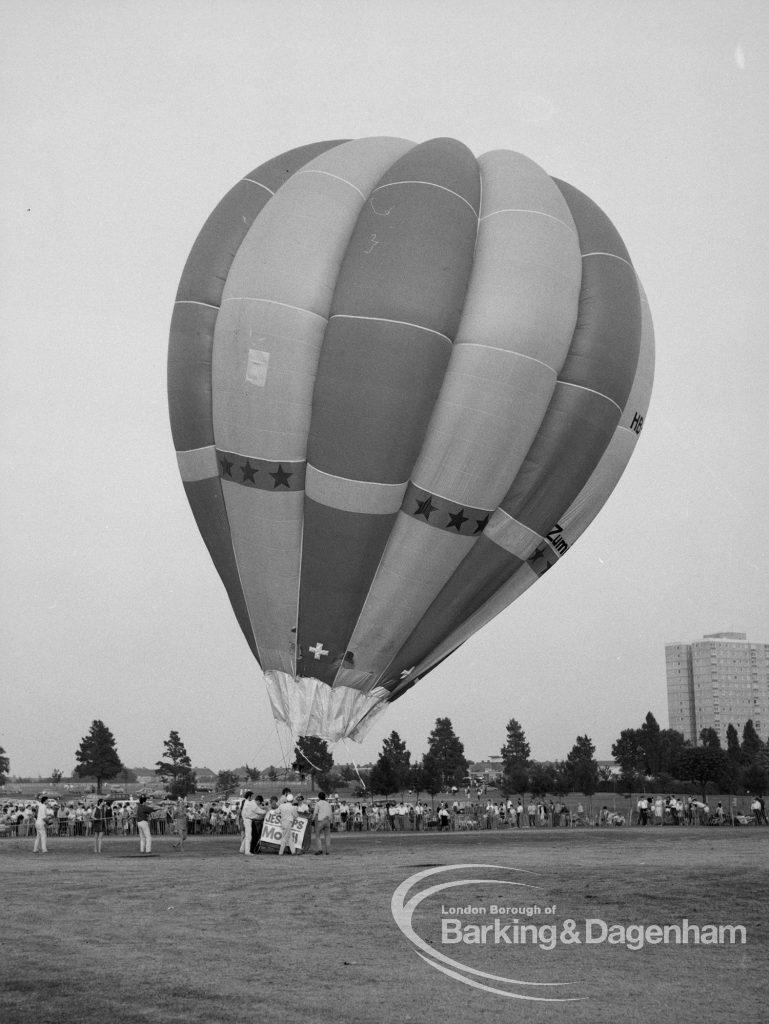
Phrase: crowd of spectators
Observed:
(222, 817)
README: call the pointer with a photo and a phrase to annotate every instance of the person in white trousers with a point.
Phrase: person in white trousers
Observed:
(41, 823)
(248, 812)
(143, 814)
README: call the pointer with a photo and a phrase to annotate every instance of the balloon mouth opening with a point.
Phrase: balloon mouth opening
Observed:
(309, 707)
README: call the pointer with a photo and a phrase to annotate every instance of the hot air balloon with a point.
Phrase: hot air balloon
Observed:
(402, 382)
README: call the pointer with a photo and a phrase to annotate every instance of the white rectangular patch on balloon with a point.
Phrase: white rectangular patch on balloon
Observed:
(256, 371)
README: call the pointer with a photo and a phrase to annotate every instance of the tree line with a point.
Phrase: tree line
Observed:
(444, 766)
(648, 757)
(659, 757)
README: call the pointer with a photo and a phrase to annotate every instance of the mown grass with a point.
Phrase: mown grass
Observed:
(209, 936)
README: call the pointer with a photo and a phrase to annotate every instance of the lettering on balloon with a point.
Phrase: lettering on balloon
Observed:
(557, 540)
(637, 425)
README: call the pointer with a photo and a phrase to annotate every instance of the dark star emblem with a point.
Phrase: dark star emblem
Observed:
(249, 472)
(456, 519)
(280, 476)
(425, 508)
(481, 524)
(226, 466)
(540, 562)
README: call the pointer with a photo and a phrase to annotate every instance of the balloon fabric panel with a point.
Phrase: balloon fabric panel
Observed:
(480, 434)
(402, 381)
(396, 307)
(190, 356)
(573, 434)
(268, 340)
(535, 554)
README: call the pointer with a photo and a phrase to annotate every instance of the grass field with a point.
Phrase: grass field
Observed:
(209, 936)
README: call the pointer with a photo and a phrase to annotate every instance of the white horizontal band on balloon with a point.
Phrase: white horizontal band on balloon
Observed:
(611, 255)
(535, 213)
(431, 184)
(591, 391)
(198, 464)
(252, 182)
(328, 174)
(507, 352)
(387, 320)
(195, 302)
(273, 302)
(510, 535)
(367, 497)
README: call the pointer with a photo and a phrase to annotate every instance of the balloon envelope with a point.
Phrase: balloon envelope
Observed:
(402, 381)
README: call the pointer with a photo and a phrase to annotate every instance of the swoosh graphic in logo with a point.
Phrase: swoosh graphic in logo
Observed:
(403, 907)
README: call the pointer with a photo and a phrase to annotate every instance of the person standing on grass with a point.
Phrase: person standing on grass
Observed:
(755, 808)
(321, 818)
(99, 823)
(179, 821)
(248, 813)
(41, 824)
(143, 815)
(260, 814)
(288, 816)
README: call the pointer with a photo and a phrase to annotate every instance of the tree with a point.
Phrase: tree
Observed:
(312, 757)
(515, 759)
(447, 753)
(733, 751)
(176, 772)
(5, 766)
(541, 778)
(390, 774)
(516, 749)
(560, 781)
(97, 755)
(348, 772)
(650, 738)
(605, 776)
(628, 752)
(751, 743)
(227, 782)
(252, 774)
(56, 775)
(755, 778)
(710, 739)
(426, 776)
(672, 743)
(702, 765)
(582, 767)
(732, 775)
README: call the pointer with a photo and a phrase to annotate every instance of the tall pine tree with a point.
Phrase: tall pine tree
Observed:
(447, 753)
(581, 766)
(176, 771)
(312, 757)
(97, 755)
(516, 755)
(391, 772)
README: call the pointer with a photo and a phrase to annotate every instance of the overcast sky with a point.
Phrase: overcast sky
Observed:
(125, 123)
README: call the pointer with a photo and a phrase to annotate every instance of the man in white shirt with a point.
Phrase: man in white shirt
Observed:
(288, 816)
(248, 813)
(41, 822)
(321, 816)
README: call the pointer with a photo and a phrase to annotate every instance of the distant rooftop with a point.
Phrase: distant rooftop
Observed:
(710, 636)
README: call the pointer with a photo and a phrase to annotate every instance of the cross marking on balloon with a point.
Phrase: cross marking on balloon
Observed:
(318, 650)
